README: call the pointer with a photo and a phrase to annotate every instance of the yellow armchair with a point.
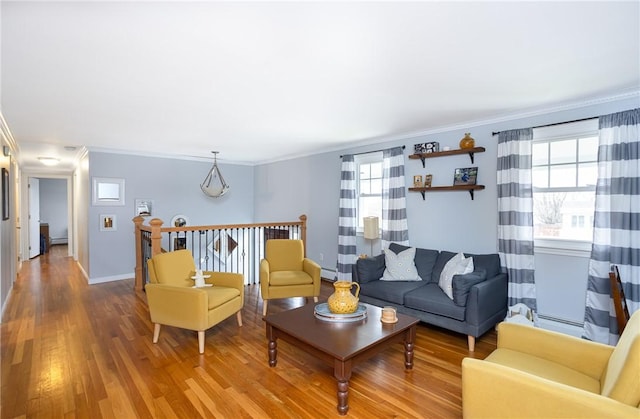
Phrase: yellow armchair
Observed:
(285, 272)
(173, 301)
(543, 374)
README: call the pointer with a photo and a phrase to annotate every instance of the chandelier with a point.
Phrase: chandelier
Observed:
(214, 184)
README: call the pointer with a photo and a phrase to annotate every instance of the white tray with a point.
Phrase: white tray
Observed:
(322, 312)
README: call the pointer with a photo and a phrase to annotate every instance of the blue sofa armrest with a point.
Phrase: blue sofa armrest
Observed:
(486, 299)
(368, 269)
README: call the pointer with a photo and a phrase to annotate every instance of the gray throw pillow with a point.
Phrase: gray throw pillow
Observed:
(370, 269)
(462, 285)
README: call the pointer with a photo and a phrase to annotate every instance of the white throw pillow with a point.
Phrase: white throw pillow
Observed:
(457, 265)
(401, 266)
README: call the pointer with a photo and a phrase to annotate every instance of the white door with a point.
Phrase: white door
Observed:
(34, 217)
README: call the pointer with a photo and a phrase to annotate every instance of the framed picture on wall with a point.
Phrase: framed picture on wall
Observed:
(5, 194)
(144, 207)
(108, 222)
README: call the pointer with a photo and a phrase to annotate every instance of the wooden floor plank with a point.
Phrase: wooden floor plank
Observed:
(77, 351)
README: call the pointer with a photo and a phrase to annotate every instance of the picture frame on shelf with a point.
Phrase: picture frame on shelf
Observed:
(465, 176)
(427, 181)
(428, 147)
(417, 181)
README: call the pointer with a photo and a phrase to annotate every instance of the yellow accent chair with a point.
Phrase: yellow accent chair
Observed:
(173, 300)
(536, 373)
(285, 272)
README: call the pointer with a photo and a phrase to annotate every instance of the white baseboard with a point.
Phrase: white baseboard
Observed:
(328, 273)
(93, 281)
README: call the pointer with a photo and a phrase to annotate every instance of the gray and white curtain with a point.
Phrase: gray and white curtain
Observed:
(616, 232)
(395, 227)
(347, 221)
(515, 214)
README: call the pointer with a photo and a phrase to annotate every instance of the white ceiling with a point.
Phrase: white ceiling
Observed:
(264, 81)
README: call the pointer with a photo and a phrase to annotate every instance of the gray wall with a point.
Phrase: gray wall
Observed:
(174, 187)
(53, 208)
(445, 220)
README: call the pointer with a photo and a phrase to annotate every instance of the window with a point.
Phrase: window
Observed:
(369, 186)
(564, 176)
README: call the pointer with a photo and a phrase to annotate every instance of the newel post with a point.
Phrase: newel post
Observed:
(156, 236)
(303, 232)
(137, 284)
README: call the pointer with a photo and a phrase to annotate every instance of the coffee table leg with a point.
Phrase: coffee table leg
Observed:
(273, 347)
(342, 372)
(409, 339)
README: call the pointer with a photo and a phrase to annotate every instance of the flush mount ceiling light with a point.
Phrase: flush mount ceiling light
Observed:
(49, 161)
(214, 184)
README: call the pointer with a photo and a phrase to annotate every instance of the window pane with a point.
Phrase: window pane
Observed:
(562, 176)
(376, 186)
(540, 177)
(369, 206)
(376, 170)
(587, 174)
(563, 215)
(588, 149)
(540, 153)
(365, 187)
(563, 151)
(365, 171)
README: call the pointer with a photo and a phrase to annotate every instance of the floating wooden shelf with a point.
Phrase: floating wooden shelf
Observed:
(470, 188)
(469, 151)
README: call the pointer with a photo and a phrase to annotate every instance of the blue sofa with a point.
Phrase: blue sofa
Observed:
(480, 297)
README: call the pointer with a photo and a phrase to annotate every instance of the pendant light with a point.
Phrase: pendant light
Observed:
(214, 184)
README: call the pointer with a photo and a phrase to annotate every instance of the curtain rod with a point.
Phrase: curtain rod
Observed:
(555, 123)
(372, 151)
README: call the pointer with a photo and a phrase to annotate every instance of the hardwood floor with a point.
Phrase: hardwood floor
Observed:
(73, 350)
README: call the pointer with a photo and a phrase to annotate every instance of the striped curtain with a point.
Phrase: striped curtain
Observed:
(394, 204)
(347, 221)
(515, 214)
(616, 233)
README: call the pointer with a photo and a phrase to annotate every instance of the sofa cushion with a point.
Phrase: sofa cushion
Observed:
(425, 260)
(370, 269)
(441, 260)
(457, 265)
(392, 291)
(432, 299)
(400, 266)
(462, 285)
(490, 263)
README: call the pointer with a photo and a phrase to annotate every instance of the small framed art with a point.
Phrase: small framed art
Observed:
(465, 176)
(5, 194)
(417, 181)
(144, 207)
(427, 181)
(108, 222)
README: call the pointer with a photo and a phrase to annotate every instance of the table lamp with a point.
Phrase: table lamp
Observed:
(371, 230)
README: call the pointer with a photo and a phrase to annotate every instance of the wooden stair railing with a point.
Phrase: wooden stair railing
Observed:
(619, 301)
(149, 239)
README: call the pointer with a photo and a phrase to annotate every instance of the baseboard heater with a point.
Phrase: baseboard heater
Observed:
(59, 240)
(559, 320)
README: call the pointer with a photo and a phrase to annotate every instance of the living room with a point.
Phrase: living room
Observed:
(281, 189)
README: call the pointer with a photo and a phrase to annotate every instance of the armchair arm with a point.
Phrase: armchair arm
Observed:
(590, 358)
(313, 269)
(491, 390)
(177, 306)
(227, 279)
(264, 278)
(486, 299)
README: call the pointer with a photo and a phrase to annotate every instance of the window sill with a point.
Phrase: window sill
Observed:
(560, 247)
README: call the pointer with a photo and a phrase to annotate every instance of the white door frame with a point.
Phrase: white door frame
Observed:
(24, 193)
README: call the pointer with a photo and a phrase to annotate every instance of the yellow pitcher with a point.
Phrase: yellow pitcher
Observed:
(342, 301)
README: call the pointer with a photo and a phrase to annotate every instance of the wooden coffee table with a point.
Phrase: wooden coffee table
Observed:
(341, 345)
